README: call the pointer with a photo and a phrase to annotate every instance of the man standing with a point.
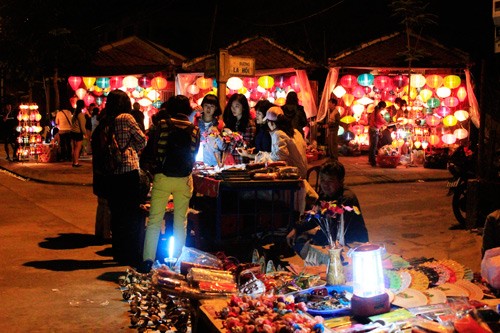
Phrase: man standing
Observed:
(332, 122)
(63, 122)
(138, 116)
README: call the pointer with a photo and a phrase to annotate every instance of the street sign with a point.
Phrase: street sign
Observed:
(241, 66)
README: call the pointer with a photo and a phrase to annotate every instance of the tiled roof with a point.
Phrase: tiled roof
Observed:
(267, 54)
(389, 51)
(134, 55)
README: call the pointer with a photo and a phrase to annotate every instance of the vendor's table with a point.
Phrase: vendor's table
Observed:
(273, 198)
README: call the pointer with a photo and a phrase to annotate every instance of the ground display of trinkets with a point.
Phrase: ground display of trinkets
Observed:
(207, 292)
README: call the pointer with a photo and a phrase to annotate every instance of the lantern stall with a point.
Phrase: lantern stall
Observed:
(29, 139)
(438, 103)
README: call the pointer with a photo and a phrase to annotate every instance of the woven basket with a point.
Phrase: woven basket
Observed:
(388, 161)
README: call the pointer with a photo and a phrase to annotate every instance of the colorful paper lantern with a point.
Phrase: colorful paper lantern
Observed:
(74, 82)
(432, 120)
(115, 82)
(425, 94)
(144, 82)
(348, 120)
(266, 81)
(348, 81)
(417, 80)
(348, 99)
(280, 82)
(358, 129)
(400, 81)
(433, 102)
(234, 83)
(204, 83)
(294, 83)
(72, 101)
(451, 101)
(448, 138)
(382, 82)
(280, 101)
(358, 92)
(450, 120)
(88, 81)
(365, 79)
(130, 82)
(461, 115)
(443, 111)
(99, 100)
(434, 81)
(80, 93)
(158, 83)
(443, 92)
(102, 82)
(153, 95)
(192, 89)
(451, 81)
(88, 99)
(461, 94)
(339, 91)
(341, 130)
(461, 133)
(434, 139)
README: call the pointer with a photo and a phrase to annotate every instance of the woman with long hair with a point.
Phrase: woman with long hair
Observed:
(78, 132)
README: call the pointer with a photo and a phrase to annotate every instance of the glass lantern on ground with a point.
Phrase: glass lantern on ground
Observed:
(369, 295)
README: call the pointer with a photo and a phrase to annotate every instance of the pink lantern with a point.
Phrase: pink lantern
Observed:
(461, 94)
(115, 82)
(281, 82)
(382, 82)
(451, 101)
(348, 81)
(74, 82)
(443, 111)
(432, 120)
(358, 92)
(461, 133)
(255, 95)
(88, 99)
(294, 83)
(358, 129)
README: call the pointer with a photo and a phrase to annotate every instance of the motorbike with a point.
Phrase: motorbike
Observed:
(461, 167)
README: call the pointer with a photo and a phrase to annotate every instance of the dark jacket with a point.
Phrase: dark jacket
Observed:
(296, 115)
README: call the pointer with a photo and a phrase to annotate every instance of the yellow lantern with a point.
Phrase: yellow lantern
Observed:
(450, 120)
(451, 81)
(434, 139)
(417, 144)
(425, 94)
(434, 81)
(461, 115)
(88, 81)
(204, 83)
(461, 94)
(348, 99)
(449, 138)
(417, 80)
(266, 81)
(413, 93)
(280, 101)
(348, 119)
(443, 92)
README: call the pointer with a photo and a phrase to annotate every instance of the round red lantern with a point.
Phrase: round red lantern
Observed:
(115, 82)
(74, 82)
(348, 81)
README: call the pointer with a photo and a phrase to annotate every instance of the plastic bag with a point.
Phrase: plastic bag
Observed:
(490, 267)
(263, 157)
(195, 256)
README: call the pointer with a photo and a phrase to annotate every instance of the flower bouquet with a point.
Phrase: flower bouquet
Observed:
(330, 216)
(230, 140)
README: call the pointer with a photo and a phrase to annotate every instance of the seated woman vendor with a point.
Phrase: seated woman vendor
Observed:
(332, 188)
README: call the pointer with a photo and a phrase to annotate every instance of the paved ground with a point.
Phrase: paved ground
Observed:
(358, 171)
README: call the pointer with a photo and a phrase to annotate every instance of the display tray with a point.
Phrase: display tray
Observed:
(344, 311)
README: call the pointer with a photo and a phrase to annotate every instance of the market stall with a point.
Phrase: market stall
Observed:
(440, 104)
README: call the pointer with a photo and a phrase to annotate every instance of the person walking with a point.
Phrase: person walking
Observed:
(170, 155)
(122, 187)
(375, 122)
(78, 132)
(63, 123)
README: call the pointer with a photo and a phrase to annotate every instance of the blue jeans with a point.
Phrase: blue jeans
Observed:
(181, 188)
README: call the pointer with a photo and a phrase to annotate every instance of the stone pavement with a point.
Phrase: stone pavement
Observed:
(358, 171)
